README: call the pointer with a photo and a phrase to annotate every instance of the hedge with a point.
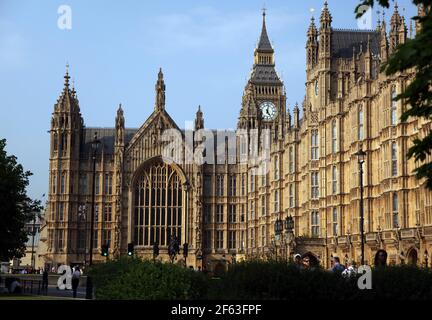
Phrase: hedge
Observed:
(132, 278)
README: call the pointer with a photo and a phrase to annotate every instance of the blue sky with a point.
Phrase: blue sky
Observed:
(115, 49)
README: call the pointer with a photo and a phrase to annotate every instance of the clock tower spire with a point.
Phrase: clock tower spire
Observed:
(264, 96)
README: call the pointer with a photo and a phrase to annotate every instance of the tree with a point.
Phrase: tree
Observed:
(415, 54)
(16, 208)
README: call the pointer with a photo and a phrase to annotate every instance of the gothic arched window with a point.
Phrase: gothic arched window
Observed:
(157, 206)
(393, 107)
(360, 123)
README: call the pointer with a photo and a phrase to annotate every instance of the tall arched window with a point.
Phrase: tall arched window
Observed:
(334, 179)
(360, 123)
(394, 159)
(395, 210)
(314, 145)
(291, 159)
(55, 141)
(393, 107)
(291, 195)
(157, 206)
(276, 168)
(334, 136)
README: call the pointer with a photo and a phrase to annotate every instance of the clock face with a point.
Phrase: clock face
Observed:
(268, 111)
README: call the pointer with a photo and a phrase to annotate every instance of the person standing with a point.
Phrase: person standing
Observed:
(45, 281)
(75, 280)
(380, 258)
(337, 266)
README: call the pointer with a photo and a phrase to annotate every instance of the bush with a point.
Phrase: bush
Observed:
(278, 281)
(252, 280)
(133, 278)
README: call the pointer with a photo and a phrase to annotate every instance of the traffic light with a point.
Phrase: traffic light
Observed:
(130, 249)
(185, 249)
(155, 249)
(105, 250)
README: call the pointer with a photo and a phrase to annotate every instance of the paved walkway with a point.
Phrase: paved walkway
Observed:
(53, 291)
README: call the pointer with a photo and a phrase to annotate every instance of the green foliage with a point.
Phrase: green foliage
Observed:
(415, 55)
(253, 280)
(279, 281)
(133, 278)
(15, 207)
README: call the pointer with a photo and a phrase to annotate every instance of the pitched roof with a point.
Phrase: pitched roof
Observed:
(264, 44)
(343, 41)
(106, 136)
(264, 74)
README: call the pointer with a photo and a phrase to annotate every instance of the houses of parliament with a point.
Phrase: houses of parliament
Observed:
(222, 207)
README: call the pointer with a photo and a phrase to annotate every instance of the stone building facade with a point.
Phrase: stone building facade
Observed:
(226, 208)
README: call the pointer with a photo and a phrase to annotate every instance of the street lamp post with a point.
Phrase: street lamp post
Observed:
(278, 226)
(289, 227)
(82, 218)
(35, 214)
(361, 159)
(95, 145)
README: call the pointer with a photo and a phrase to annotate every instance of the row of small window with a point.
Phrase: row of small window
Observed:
(60, 142)
(233, 242)
(315, 218)
(219, 240)
(83, 183)
(232, 187)
(57, 241)
(315, 223)
(149, 235)
(232, 210)
(59, 212)
(360, 131)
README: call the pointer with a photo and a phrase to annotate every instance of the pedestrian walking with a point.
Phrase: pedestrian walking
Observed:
(380, 258)
(298, 261)
(350, 271)
(75, 280)
(337, 266)
(45, 281)
(306, 263)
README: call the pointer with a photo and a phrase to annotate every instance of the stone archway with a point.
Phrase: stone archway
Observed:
(412, 257)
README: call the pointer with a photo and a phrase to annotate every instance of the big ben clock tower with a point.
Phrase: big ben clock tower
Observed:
(263, 105)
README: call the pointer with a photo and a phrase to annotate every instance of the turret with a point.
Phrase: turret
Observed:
(296, 112)
(160, 92)
(383, 43)
(288, 120)
(199, 119)
(368, 60)
(120, 127)
(325, 37)
(395, 23)
(312, 45)
(66, 122)
(402, 32)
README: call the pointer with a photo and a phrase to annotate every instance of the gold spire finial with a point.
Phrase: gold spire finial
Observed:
(66, 77)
